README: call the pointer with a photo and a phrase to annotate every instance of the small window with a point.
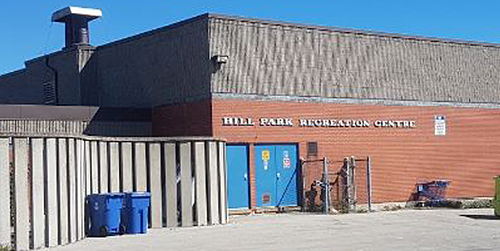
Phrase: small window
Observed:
(312, 148)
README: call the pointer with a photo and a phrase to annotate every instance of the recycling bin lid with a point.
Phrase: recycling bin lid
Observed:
(138, 194)
(114, 194)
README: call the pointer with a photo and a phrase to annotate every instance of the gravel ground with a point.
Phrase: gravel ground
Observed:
(445, 229)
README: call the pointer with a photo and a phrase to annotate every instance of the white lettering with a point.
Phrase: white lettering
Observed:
(280, 122)
(250, 122)
(226, 121)
(326, 122)
(237, 121)
(264, 121)
(272, 122)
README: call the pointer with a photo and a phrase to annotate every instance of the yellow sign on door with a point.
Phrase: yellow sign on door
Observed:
(266, 155)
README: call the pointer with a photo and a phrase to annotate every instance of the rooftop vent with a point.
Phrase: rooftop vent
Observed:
(76, 20)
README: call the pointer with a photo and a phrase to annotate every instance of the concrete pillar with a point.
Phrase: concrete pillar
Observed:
(114, 163)
(155, 184)
(186, 185)
(212, 185)
(140, 167)
(52, 207)
(201, 184)
(127, 179)
(87, 168)
(5, 191)
(80, 190)
(94, 163)
(170, 193)
(22, 218)
(72, 189)
(63, 191)
(103, 166)
(222, 183)
(37, 199)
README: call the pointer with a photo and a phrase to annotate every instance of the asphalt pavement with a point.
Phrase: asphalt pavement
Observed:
(444, 229)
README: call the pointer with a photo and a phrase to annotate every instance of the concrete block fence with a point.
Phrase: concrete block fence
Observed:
(44, 182)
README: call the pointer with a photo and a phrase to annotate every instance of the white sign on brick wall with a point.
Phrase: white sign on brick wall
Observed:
(439, 125)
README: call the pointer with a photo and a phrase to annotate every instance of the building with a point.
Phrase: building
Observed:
(421, 108)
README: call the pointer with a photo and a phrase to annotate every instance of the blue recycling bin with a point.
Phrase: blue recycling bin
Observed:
(104, 214)
(135, 212)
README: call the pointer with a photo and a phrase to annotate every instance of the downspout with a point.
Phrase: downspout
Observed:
(55, 74)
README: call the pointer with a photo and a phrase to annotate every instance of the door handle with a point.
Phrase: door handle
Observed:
(278, 176)
(245, 177)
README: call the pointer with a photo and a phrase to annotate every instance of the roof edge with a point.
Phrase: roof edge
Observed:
(13, 73)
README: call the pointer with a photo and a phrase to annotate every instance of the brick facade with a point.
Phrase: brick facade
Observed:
(187, 119)
(468, 155)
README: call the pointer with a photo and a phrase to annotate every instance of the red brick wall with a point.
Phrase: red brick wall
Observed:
(187, 119)
(468, 156)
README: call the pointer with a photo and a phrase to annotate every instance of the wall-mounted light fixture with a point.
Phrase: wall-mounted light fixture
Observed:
(220, 59)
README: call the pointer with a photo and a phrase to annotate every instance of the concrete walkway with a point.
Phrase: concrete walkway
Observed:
(411, 230)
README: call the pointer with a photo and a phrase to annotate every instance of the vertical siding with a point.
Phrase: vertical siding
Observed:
(269, 58)
(127, 172)
(53, 176)
(63, 191)
(37, 191)
(170, 185)
(201, 184)
(5, 191)
(140, 167)
(80, 190)
(114, 170)
(155, 184)
(72, 189)
(212, 183)
(22, 195)
(94, 153)
(186, 185)
(221, 169)
(52, 212)
(104, 167)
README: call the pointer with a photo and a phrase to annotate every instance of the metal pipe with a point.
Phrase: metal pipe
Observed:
(369, 183)
(353, 183)
(326, 187)
(303, 185)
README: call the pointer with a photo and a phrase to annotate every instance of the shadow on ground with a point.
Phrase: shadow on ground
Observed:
(481, 216)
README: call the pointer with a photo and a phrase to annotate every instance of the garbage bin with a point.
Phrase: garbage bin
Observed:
(104, 211)
(496, 199)
(135, 212)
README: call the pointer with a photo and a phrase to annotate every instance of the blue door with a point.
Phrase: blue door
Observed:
(265, 176)
(276, 175)
(286, 168)
(237, 175)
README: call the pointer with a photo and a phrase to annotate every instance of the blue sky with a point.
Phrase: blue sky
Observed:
(26, 31)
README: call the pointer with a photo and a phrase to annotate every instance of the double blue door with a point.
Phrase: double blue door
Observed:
(276, 175)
